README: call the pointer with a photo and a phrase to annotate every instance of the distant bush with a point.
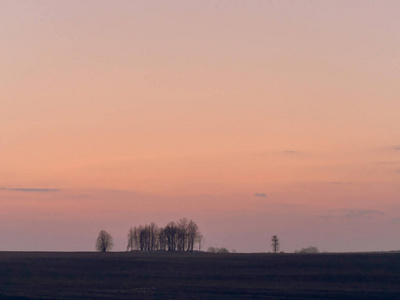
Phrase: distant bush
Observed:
(223, 250)
(311, 249)
(217, 250)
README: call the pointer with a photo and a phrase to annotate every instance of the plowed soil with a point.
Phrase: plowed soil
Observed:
(162, 275)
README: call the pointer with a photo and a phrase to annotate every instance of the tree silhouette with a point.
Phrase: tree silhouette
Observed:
(171, 232)
(162, 240)
(131, 239)
(153, 232)
(104, 241)
(182, 234)
(275, 243)
(199, 240)
(193, 235)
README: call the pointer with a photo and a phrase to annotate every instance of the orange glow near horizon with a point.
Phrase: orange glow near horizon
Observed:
(141, 111)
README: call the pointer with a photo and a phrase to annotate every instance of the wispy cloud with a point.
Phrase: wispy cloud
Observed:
(291, 152)
(83, 196)
(352, 214)
(362, 213)
(388, 162)
(389, 148)
(395, 220)
(30, 190)
(260, 194)
(333, 182)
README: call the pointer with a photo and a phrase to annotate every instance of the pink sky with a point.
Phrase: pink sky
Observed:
(253, 118)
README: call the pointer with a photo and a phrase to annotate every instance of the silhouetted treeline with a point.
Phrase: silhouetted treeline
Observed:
(179, 236)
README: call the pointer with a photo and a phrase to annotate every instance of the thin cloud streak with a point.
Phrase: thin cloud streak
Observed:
(362, 213)
(352, 214)
(260, 195)
(293, 152)
(395, 220)
(30, 190)
(389, 162)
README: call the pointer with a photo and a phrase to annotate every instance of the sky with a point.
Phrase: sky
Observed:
(253, 118)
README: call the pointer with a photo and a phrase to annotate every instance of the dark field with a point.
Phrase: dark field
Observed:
(160, 275)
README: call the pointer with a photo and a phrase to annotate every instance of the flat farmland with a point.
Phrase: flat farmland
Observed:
(162, 275)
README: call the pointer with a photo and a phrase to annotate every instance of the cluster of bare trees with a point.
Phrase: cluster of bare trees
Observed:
(175, 236)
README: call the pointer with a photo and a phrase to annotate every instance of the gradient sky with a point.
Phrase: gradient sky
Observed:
(253, 118)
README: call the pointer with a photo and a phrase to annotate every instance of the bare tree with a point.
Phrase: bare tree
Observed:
(275, 243)
(131, 239)
(200, 240)
(144, 237)
(192, 235)
(171, 232)
(182, 234)
(136, 237)
(163, 241)
(153, 236)
(104, 241)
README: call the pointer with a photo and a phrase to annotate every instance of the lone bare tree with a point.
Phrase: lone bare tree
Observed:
(275, 243)
(104, 241)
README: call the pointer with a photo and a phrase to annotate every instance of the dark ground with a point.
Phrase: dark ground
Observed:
(160, 275)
